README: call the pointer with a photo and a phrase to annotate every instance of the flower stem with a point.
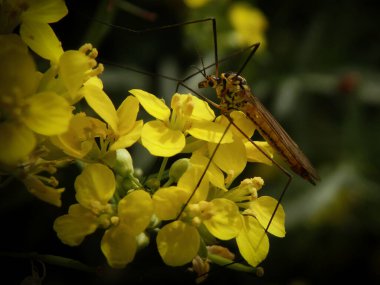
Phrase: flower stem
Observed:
(51, 259)
(259, 271)
(162, 168)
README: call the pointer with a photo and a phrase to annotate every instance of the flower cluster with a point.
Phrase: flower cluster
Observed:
(188, 212)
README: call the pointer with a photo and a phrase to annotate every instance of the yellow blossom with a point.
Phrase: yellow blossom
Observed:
(25, 110)
(166, 136)
(73, 72)
(42, 191)
(178, 242)
(196, 3)
(252, 241)
(232, 157)
(249, 23)
(125, 130)
(123, 221)
(35, 29)
(79, 141)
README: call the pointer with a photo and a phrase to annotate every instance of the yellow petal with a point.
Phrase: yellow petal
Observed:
(119, 246)
(95, 183)
(191, 182)
(73, 68)
(226, 221)
(42, 40)
(47, 114)
(244, 124)
(263, 209)
(127, 113)
(18, 70)
(210, 131)
(168, 202)
(135, 210)
(178, 243)
(214, 174)
(95, 80)
(159, 140)
(43, 192)
(252, 241)
(76, 225)
(77, 95)
(19, 143)
(154, 106)
(45, 11)
(255, 155)
(79, 139)
(101, 104)
(130, 138)
(201, 111)
(231, 158)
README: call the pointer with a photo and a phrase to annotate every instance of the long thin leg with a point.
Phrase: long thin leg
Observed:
(204, 171)
(166, 27)
(282, 169)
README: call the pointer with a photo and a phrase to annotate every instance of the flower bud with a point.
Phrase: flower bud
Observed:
(178, 168)
(124, 163)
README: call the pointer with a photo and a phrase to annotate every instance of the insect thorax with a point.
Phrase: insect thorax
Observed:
(232, 89)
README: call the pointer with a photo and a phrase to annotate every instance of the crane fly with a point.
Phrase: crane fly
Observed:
(235, 94)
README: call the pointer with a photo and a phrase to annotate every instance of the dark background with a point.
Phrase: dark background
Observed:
(319, 76)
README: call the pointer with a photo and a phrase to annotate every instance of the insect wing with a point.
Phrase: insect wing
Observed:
(276, 136)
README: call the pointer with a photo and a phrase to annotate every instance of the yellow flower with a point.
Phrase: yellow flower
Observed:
(42, 191)
(262, 208)
(249, 22)
(252, 241)
(166, 136)
(25, 110)
(70, 69)
(79, 140)
(35, 31)
(124, 221)
(196, 3)
(232, 157)
(179, 241)
(125, 130)
(71, 75)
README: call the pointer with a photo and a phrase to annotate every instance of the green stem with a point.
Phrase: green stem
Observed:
(168, 183)
(162, 168)
(52, 259)
(259, 271)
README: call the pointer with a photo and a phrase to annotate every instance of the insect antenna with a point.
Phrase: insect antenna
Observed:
(224, 59)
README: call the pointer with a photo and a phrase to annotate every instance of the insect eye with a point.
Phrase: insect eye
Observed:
(211, 83)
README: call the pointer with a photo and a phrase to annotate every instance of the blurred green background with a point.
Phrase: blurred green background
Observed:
(318, 74)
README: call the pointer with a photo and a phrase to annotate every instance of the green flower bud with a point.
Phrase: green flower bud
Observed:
(178, 168)
(142, 240)
(124, 163)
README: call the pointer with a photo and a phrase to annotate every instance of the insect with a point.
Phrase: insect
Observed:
(235, 94)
